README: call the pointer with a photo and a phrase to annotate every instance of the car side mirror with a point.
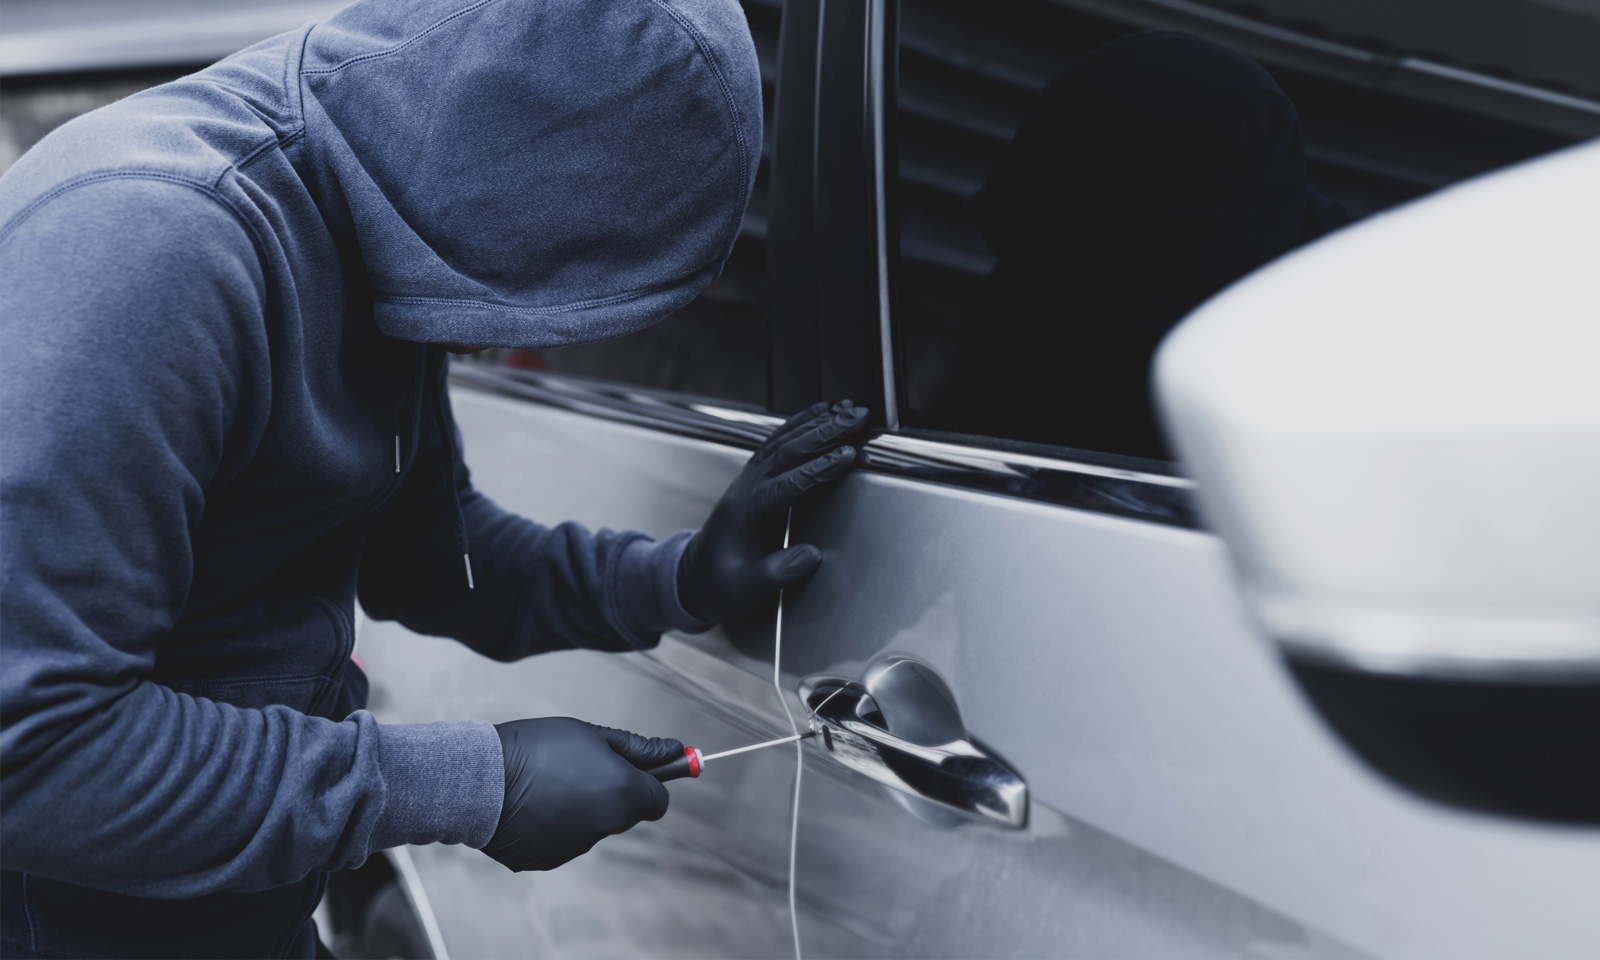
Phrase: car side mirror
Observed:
(1396, 430)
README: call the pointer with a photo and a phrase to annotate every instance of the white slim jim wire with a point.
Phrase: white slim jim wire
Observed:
(799, 745)
(754, 746)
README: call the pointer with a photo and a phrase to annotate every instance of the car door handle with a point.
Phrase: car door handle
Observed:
(958, 773)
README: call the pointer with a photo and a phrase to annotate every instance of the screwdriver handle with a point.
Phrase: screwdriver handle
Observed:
(687, 765)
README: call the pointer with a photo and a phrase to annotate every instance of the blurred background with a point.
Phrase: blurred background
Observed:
(60, 58)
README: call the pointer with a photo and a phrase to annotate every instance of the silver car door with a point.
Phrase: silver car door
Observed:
(1070, 621)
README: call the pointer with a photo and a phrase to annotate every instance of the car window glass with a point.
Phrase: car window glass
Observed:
(717, 345)
(1074, 177)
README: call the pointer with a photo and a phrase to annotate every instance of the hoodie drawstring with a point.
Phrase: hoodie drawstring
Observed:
(447, 435)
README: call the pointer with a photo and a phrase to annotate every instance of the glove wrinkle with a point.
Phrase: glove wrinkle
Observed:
(571, 784)
(643, 752)
(730, 567)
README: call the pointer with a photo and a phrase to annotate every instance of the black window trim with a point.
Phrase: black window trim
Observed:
(826, 262)
(1097, 483)
(882, 68)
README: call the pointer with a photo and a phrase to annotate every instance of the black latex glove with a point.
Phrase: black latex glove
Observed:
(571, 784)
(728, 568)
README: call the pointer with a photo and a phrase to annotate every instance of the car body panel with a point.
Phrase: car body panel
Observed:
(1185, 800)
(1110, 663)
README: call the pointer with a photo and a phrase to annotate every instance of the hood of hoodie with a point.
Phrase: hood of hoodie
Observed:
(532, 173)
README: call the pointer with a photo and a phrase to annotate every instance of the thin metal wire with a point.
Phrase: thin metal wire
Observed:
(799, 754)
(817, 710)
(757, 746)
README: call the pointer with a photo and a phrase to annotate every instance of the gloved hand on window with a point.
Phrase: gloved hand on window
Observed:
(730, 568)
(571, 784)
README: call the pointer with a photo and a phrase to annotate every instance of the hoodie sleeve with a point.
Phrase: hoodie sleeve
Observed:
(132, 377)
(535, 589)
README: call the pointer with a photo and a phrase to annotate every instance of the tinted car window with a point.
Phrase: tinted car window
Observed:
(717, 345)
(1075, 177)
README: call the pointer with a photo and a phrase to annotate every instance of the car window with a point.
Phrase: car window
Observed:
(717, 346)
(1074, 177)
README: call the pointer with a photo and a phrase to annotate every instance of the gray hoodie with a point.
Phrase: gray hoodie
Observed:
(224, 418)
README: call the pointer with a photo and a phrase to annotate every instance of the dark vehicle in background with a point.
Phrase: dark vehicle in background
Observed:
(1022, 567)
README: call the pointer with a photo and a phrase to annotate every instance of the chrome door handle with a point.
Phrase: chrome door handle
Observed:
(958, 773)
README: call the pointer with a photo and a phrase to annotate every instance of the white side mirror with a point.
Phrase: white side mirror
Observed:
(1397, 432)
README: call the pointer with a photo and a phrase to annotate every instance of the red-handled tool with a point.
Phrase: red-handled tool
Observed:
(688, 765)
(693, 761)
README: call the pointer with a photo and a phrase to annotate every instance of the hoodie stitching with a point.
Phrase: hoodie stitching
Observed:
(27, 914)
(400, 46)
(539, 311)
(293, 88)
(216, 181)
(612, 300)
(261, 151)
(205, 188)
(727, 95)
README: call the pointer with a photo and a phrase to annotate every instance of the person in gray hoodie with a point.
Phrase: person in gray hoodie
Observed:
(225, 306)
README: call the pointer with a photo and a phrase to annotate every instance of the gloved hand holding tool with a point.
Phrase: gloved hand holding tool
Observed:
(571, 784)
(731, 566)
